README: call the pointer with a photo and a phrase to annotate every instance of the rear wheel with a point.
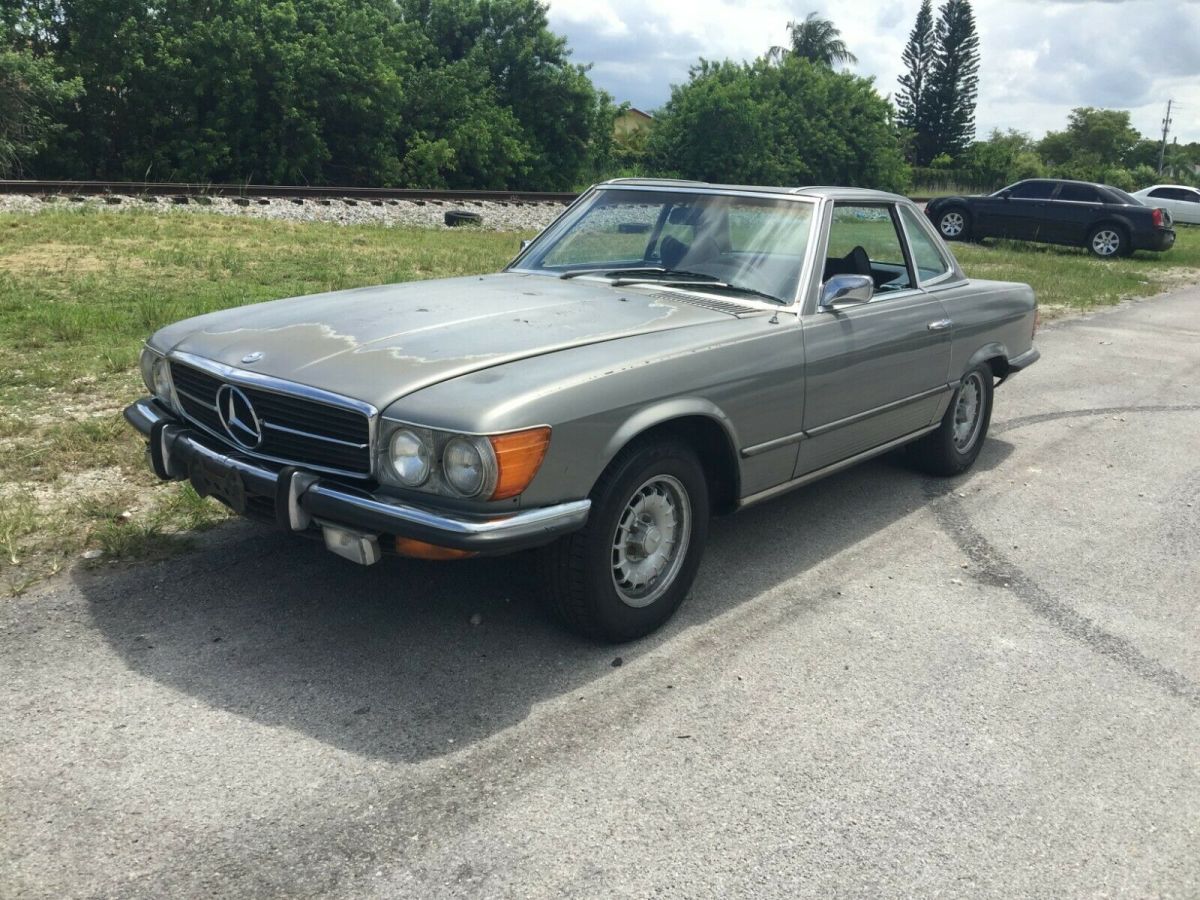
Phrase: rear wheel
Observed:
(954, 446)
(1108, 241)
(954, 224)
(627, 571)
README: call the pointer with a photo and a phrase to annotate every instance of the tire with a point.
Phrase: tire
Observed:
(954, 446)
(456, 217)
(1108, 242)
(605, 595)
(954, 224)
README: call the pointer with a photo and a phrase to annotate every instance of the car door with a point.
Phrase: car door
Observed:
(1017, 210)
(876, 371)
(1187, 205)
(1028, 203)
(1071, 213)
(1182, 203)
(988, 215)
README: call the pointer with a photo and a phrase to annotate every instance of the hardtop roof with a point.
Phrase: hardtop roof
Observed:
(827, 192)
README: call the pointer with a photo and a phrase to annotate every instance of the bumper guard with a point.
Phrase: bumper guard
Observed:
(300, 498)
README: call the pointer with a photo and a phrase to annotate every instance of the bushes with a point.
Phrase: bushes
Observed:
(427, 93)
(778, 122)
(1097, 145)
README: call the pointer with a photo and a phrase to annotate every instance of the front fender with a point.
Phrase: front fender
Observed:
(660, 413)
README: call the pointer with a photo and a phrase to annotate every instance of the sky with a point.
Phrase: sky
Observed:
(1039, 58)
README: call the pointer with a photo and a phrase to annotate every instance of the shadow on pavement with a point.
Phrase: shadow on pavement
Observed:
(385, 662)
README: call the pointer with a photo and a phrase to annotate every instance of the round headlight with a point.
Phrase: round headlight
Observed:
(410, 457)
(161, 374)
(146, 362)
(464, 466)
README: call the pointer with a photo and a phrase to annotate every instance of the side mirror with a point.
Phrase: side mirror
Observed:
(525, 243)
(846, 290)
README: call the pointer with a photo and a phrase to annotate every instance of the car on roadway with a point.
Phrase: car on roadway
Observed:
(664, 351)
(1181, 201)
(1103, 219)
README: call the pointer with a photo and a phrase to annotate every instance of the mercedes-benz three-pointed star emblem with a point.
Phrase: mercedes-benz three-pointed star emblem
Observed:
(238, 417)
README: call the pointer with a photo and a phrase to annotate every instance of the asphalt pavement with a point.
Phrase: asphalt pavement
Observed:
(883, 685)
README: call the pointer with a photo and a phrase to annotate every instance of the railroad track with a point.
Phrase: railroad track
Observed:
(255, 191)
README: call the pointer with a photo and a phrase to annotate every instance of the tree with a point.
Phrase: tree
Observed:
(953, 85)
(32, 94)
(1003, 158)
(438, 93)
(1093, 137)
(562, 120)
(912, 102)
(817, 40)
(781, 122)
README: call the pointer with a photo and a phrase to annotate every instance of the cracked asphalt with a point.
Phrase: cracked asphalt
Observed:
(883, 685)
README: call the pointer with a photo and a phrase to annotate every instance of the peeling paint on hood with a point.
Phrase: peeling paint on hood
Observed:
(379, 343)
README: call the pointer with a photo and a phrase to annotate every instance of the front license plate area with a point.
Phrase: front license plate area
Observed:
(224, 484)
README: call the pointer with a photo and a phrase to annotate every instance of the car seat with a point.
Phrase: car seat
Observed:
(856, 262)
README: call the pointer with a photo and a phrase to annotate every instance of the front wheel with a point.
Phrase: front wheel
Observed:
(954, 446)
(627, 571)
(954, 224)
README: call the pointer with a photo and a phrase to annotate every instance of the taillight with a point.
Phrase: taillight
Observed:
(1156, 216)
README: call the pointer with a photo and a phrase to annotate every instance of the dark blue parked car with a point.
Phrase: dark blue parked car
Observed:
(1105, 220)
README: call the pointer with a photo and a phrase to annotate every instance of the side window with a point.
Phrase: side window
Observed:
(863, 241)
(1162, 193)
(1032, 190)
(926, 256)
(1185, 195)
(1080, 193)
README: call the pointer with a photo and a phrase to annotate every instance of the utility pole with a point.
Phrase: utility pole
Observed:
(1162, 150)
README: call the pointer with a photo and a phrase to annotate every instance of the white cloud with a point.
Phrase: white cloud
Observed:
(1040, 58)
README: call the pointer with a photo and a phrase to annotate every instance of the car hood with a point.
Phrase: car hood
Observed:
(379, 343)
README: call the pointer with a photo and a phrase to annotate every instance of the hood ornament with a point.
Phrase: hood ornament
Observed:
(252, 357)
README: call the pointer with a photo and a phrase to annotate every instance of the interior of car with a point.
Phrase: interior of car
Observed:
(887, 276)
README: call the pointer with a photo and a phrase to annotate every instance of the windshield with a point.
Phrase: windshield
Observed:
(716, 241)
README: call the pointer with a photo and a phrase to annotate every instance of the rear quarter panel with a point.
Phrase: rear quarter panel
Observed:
(991, 318)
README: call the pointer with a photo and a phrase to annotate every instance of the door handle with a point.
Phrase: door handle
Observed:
(939, 325)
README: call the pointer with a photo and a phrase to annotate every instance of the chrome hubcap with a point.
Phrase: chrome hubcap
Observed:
(968, 412)
(952, 224)
(651, 540)
(1106, 242)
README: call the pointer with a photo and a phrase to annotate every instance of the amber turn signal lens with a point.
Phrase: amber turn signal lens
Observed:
(518, 457)
(421, 550)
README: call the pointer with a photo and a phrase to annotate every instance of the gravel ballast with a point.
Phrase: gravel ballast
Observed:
(495, 216)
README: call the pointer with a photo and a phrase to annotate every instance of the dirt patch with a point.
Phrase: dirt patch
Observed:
(60, 257)
(68, 488)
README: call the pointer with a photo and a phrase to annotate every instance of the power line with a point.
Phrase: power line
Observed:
(1166, 122)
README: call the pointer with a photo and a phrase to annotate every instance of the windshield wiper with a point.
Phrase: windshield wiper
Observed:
(707, 285)
(640, 270)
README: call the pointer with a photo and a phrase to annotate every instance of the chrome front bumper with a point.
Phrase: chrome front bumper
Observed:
(297, 499)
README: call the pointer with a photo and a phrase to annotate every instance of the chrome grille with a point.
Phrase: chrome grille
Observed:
(295, 429)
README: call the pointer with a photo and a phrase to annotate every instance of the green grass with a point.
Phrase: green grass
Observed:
(81, 289)
(1068, 279)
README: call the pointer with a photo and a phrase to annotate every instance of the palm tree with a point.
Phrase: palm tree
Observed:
(818, 40)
